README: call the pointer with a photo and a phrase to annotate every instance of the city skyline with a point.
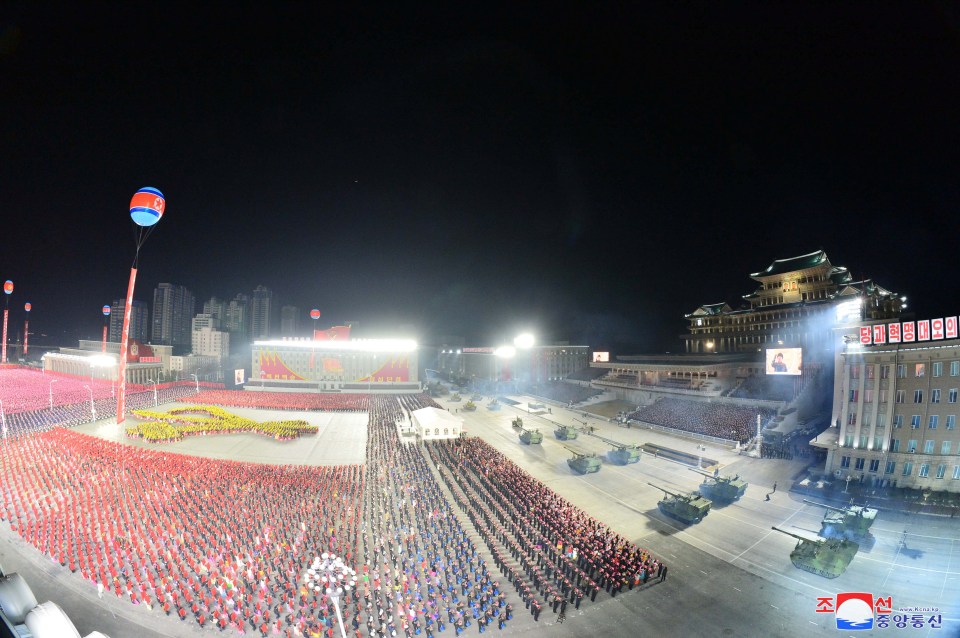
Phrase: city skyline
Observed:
(591, 178)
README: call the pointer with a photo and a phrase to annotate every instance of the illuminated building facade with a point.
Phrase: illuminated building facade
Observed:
(895, 409)
(329, 365)
(796, 304)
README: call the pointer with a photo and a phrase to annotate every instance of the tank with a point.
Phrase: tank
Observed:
(469, 406)
(852, 522)
(824, 557)
(530, 437)
(725, 489)
(493, 405)
(565, 433)
(517, 422)
(456, 398)
(686, 508)
(582, 463)
(622, 453)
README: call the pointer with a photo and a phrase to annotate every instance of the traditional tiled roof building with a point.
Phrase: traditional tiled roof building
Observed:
(797, 303)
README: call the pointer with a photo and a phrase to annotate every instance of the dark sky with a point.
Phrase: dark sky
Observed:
(589, 174)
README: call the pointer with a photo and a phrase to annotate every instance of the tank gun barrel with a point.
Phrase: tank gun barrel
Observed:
(800, 538)
(699, 471)
(664, 490)
(617, 444)
(829, 507)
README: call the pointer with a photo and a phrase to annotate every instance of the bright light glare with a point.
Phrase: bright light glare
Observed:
(354, 345)
(102, 361)
(524, 341)
(505, 352)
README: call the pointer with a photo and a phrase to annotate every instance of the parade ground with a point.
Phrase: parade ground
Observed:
(730, 575)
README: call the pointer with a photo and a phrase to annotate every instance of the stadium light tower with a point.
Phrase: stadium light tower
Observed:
(93, 409)
(525, 341)
(197, 380)
(155, 404)
(50, 389)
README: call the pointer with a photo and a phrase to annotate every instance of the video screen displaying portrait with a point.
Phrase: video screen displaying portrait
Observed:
(601, 357)
(788, 361)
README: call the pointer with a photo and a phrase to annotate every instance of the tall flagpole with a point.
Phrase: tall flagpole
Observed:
(146, 209)
(26, 330)
(124, 340)
(7, 289)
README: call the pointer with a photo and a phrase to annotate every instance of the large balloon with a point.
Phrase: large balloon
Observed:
(27, 306)
(314, 314)
(146, 207)
(106, 311)
(8, 286)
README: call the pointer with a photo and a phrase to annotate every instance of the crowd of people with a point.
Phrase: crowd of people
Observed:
(227, 545)
(766, 387)
(421, 572)
(565, 554)
(201, 420)
(28, 390)
(563, 392)
(214, 542)
(721, 420)
(69, 415)
(283, 400)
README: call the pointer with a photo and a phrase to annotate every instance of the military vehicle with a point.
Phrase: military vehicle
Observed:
(622, 453)
(583, 462)
(470, 406)
(517, 422)
(725, 489)
(493, 405)
(565, 432)
(456, 398)
(686, 508)
(530, 437)
(824, 556)
(852, 522)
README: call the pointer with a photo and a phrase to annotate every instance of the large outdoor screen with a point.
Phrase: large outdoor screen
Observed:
(601, 357)
(785, 361)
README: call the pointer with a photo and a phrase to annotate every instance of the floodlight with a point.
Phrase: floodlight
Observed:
(524, 341)
(505, 352)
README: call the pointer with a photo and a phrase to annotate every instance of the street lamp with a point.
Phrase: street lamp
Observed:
(51, 393)
(329, 574)
(155, 404)
(93, 409)
(197, 380)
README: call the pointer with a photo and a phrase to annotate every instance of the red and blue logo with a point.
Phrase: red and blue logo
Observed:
(854, 610)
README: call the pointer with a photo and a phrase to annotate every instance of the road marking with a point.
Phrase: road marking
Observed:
(703, 572)
(949, 560)
(738, 589)
(775, 607)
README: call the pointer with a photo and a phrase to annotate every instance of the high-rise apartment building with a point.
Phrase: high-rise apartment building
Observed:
(139, 320)
(208, 339)
(216, 308)
(289, 321)
(173, 310)
(237, 319)
(261, 312)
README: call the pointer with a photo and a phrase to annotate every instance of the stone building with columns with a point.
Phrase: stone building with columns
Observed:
(92, 360)
(895, 405)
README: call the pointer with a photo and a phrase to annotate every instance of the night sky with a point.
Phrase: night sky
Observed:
(588, 174)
